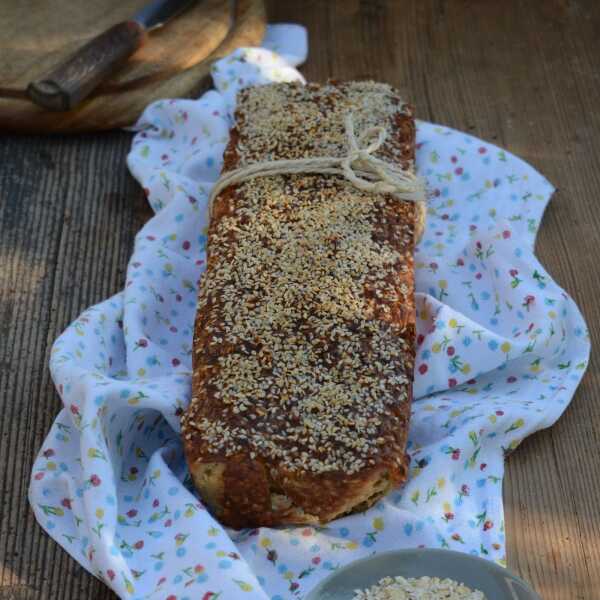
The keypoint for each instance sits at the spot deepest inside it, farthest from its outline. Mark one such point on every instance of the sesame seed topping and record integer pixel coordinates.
(305, 328)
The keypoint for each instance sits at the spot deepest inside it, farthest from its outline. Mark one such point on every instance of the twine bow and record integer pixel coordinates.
(360, 167)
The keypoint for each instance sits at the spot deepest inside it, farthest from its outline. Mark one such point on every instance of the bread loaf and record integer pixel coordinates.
(303, 349)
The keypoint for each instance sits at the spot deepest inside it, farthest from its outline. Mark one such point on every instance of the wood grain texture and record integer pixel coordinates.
(519, 73)
(174, 62)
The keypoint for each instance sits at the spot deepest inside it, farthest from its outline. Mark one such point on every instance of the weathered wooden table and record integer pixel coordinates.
(524, 74)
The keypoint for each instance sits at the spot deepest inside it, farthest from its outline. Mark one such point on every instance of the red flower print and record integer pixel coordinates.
(450, 351)
(198, 569)
(496, 546)
(173, 329)
(506, 234)
(456, 537)
(66, 502)
(164, 157)
(139, 545)
(482, 466)
(472, 381)
(433, 266)
(39, 476)
(472, 227)
(111, 574)
(452, 382)
(175, 362)
(513, 272)
(186, 245)
(458, 170)
(460, 262)
(420, 339)
(48, 453)
(74, 409)
(168, 523)
(449, 516)
(454, 159)
(306, 532)
(173, 597)
(464, 489)
(316, 560)
(511, 379)
(150, 237)
(455, 454)
(132, 513)
(294, 586)
(162, 580)
(500, 413)
(482, 150)
(478, 245)
(142, 343)
(528, 301)
(423, 368)
(155, 503)
(95, 480)
(487, 525)
(478, 276)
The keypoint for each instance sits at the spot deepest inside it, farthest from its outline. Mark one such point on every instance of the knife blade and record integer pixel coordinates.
(74, 79)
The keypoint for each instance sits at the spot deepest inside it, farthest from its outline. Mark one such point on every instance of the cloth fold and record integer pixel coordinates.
(501, 349)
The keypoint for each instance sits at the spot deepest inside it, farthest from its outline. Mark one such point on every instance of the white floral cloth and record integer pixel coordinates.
(501, 349)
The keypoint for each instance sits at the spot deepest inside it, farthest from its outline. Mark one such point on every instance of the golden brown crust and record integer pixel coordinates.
(304, 337)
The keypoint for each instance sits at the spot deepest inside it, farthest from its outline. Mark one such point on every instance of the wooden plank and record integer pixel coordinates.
(522, 74)
(68, 214)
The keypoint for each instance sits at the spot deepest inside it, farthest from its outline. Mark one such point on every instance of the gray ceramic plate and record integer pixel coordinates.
(477, 573)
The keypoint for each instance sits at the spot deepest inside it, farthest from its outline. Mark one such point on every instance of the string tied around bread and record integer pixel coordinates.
(359, 166)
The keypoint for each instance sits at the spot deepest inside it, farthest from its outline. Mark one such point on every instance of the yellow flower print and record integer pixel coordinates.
(129, 586)
(505, 347)
(352, 545)
(441, 483)
(245, 587)
(265, 542)
(516, 425)
(99, 513)
(378, 524)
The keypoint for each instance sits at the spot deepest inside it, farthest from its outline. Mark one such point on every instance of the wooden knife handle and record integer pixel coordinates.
(73, 80)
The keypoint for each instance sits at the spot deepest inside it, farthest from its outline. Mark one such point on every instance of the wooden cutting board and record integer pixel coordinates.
(174, 62)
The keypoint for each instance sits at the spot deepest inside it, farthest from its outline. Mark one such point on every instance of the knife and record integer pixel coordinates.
(73, 80)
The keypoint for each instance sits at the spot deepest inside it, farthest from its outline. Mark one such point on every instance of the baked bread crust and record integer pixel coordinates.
(303, 350)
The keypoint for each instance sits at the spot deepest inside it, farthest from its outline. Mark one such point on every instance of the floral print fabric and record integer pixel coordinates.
(501, 349)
